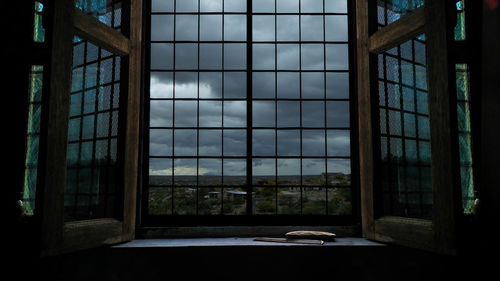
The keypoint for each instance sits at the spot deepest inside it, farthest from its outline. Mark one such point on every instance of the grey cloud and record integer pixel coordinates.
(263, 84)
(263, 113)
(263, 28)
(263, 143)
(313, 114)
(235, 114)
(288, 167)
(288, 57)
(287, 28)
(235, 5)
(338, 143)
(311, 6)
(287, 6)
(312, 56)
(312, 28)
(235, 84)
(186, 27)
(210, 5)
(263, 167)
(313, 143)
(185, 113)
(288, 142)
(235, 27)
(186, 6)
(210, 27)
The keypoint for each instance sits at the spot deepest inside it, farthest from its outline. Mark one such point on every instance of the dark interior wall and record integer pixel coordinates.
(393, 263)
(490, 119)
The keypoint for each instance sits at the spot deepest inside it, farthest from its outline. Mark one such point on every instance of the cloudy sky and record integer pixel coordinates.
(221, 114)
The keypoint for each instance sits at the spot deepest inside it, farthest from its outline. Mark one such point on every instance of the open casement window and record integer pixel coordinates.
(407, 175)
(93, 125)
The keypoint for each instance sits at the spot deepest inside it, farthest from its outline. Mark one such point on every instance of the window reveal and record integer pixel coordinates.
(286, 112)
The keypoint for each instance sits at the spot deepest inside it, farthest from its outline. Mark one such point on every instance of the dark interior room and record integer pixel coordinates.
(253, 139)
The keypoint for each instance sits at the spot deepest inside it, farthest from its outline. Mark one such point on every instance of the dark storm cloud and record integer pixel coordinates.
(263, 84)
(313, 85)
(288, 142)
(160, 142)
(313, 166)
(313, 143)
(313, 114)
(338, 143)
(235, 85)
(288, 167)
(235, 27)
(210, 85)
(215, 142)
(263, 143)
(234, 143)
(288, 114)
(186, 27)
(161, 114)
(162, 27)
(210, 27)
(337, 114)
(263, 167)
(263, 114)
(288, 57)
(288, 85)
(235, 114)
(210, 143)
(210, 113)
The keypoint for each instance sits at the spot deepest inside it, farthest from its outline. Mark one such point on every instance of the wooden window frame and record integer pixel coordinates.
(438, 234)
(58, 236)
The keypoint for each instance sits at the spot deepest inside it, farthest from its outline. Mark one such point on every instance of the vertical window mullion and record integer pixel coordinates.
(249, 68)
(172, 182)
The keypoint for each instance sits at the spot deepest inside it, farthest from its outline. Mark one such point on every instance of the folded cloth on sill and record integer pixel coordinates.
(306, 234)
(290, 240)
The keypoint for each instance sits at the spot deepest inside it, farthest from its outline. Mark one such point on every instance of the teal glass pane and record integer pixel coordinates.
(459, 32)
(108, 12)
(92, 133)
(390, 11)
(404, 131)
(38, 30)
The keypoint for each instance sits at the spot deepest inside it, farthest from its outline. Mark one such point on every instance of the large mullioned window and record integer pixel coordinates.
(249, 108)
